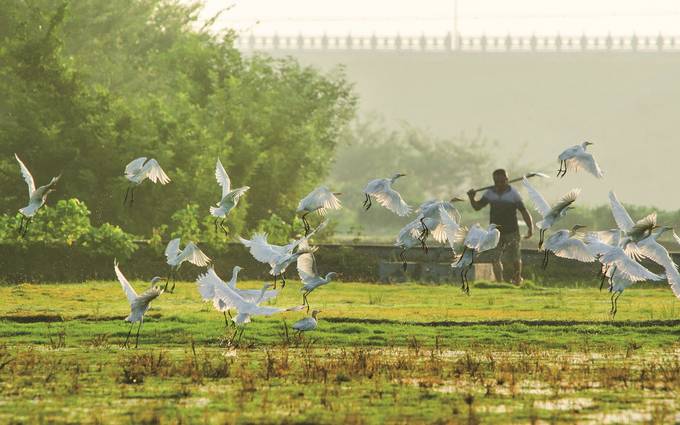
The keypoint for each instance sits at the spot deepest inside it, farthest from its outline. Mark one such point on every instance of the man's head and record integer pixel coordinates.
(500, 179)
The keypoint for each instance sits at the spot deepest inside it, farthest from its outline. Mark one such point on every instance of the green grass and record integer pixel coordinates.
(382, 353)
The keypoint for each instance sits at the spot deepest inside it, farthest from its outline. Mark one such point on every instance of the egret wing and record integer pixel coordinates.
(539, 202)
(306, 267)
(621, 216)
(574, 249)
(567, 199)
(653, 250)
(207, 283)
(586, 161)
(194, 255)
(222, 178)
(172, 249)
(154, 172)
(627, 267)
(489, 240)
(127, 288)
(392, 200)
(28, 178)
(450, 226)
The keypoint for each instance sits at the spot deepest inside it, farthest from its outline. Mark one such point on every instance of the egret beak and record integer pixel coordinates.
(537, 174)
(455, 199)
(337, 193)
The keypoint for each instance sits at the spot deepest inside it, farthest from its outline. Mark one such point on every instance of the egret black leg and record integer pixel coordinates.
(224, 229)
(21, 224)
(401, 256)
(365, 200)
(306, 223)
(283, 280)
(125, 344)
(275, 281)
(138, 329)
(540, 241)
(467, 282)
(226, 322)
(127, 191)
(368, 202)
(215, 223)
(240, 334)
(616, 304)
(132, 195)
(305, 301)
(28, 221)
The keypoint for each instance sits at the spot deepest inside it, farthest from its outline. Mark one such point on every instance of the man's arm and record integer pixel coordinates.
(528, 220)
(476, 205)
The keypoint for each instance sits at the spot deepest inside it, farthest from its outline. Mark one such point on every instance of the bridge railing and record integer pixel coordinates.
(449, 43)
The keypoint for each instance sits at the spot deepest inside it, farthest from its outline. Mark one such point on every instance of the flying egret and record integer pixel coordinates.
(229, 198)
(308, 323)
(306, 267)
(474, 240)
(430, 210)
(211, 288)
(633, 231)
(140, 169)
(36, 197)
(614, 259)
(575, 158)
(175, 257)
(139, 304)
(247, 309)
(408, 237)
(381, 189)
(279, 257)
(320, 200)
(567, 244)
(550, 214)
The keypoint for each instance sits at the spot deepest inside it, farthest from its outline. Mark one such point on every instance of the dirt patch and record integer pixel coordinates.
(556, 323)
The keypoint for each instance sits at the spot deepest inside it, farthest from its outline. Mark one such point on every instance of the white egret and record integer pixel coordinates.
(279, 257)
(139, 304)
(567, 244)
(248, 309)
(408, 237)
(175, 257)
(575, 158)
(632, 231)
(429, 217)
(229, 198)
(36, 197)
(474, 240)
(211, 288)
(320, 200)
(614, 259)
(306, 267)
(308, 323)
(550, 214)
(139, 170)
(381, 189)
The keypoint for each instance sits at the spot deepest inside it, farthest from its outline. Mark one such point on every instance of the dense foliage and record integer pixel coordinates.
(89, 85)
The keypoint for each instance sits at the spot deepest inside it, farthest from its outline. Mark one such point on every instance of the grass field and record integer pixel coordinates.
(398, 353)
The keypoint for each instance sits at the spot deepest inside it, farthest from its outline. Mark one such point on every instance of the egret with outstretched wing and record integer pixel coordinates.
(140, 169)
(229, 198)
(576, 158)
(381, 190)
(550, 214)
(36, 197)
(176, 256)
(320, 200)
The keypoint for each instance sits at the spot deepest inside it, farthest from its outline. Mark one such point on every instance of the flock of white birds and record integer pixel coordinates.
(619, 251)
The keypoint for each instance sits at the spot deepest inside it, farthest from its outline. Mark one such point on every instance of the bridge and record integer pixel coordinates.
(459, 43)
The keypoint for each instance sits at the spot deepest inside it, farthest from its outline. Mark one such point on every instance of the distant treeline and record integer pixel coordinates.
(89, 85)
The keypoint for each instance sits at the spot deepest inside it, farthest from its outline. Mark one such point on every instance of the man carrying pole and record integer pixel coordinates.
(504, 201)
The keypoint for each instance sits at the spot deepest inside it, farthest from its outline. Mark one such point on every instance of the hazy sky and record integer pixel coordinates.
(492, 17)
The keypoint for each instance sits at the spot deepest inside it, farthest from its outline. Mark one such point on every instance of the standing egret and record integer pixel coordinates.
(211, 288)
(175, 257)
(279, 257)
(308, 323)
(567, 244)
(248, 309)
(381, 189)
(575, 158)
(320, 200)
(140, 169)
(550, 214)
(139, 304)
(229, 197)
(36, 197)
(474, 240)
(306, 267)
